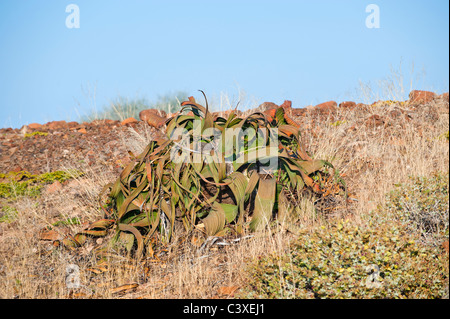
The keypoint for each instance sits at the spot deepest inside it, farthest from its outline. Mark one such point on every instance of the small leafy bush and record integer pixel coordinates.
(16, 184)
(422, 205)
(337, 261)
(37, 133)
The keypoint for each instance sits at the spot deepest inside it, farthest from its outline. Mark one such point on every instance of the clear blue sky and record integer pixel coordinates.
(305, 51)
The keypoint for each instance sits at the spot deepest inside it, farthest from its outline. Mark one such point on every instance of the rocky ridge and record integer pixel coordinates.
(39, 148)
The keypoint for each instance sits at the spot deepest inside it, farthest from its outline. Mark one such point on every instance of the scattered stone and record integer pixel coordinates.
(51, 235)
(146, 114)
(72, 124)
(374, 121)
(326, 107)
(54, 187)
(56, 125)
(429, 113)
(12, 150)
(287, 107)
(421, 97)
(298, 112)
(110, 121)
(130, 120)
(69, 145)
(267, 106)
(396, 113)
(445, 246)
(347, 105)
(362, 106)
(34, 126)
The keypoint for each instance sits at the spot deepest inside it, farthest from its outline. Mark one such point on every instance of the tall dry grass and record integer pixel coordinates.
(373, 159)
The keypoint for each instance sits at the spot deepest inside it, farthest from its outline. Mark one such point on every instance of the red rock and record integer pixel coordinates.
(347, 105)
(56, 125)
(267, 106)
(55, 187)
(72, 124)
(96, 123)
(156, 121)
(286, 104)
(153, 117)
(396, 113)
(34, 126)
(287, 107)
(445, 246)
(130, 120)
(46, 234)
(146, 114)
(374, 121)
(299, 112)
(421, 97)
(82, 130)
(326, 107)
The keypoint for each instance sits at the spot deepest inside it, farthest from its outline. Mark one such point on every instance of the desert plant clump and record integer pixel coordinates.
(122, 108)
(347, 261)
(200, 180)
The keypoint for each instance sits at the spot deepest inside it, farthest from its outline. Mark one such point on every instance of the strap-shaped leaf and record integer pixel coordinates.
(123, 208)
(230, 211)
(95, 233)
(264, 201)
(289, 131)
(215, 221)
(252, 183)
(137, 235)
(312, 166)
(279, 115)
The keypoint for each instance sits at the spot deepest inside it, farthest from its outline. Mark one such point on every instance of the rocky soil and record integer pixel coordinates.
(101, 144)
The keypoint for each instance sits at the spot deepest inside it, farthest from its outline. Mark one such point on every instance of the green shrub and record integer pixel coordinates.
(334, 262)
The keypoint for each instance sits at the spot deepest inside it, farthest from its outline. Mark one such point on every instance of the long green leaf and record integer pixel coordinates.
(264, 201)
